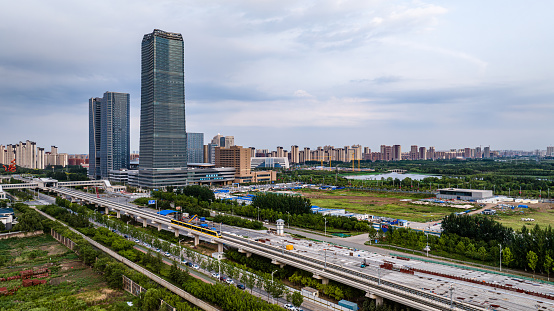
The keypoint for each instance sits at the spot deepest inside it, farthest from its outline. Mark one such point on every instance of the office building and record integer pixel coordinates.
(195, 147)
(487, 152)
(238, 158)
(163, 137)
(109, 134)
(550, 151)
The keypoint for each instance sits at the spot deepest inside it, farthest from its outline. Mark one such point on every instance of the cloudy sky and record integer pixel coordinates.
(449, 74)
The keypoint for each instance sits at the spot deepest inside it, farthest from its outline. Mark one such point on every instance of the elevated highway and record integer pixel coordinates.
(374, 286)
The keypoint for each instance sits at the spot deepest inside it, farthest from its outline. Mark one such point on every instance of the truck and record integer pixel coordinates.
(348, 305)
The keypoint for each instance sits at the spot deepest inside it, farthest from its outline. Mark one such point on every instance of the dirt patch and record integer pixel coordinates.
(54, 249)
(70, 265)
(354, 199)
(96, 295)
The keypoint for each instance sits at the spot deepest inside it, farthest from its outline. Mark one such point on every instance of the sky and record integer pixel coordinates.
(448, 74)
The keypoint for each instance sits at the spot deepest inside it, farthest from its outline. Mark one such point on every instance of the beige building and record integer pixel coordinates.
(238, 158)
(294, 154)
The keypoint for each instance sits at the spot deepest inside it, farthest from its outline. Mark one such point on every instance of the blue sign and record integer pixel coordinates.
(151, 201)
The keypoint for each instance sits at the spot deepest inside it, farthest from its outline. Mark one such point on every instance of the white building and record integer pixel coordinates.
(264, 162)
(464, 194)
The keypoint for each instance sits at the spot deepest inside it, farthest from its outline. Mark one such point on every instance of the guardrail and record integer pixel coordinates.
(387, 289)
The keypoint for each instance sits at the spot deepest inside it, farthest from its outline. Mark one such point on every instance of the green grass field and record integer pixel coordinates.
(513, 219)
(361, 193)
(71, 285)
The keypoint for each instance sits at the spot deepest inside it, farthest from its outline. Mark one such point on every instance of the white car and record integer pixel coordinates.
(195, 266)
(167, 254)
(290, 307)
(230, 281)
(137, 241)
(215, 275)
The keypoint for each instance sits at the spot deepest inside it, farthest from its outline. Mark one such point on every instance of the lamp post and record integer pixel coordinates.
(325, 257)
(258, 213)
(500, 245)
(272, 284)
(288, 219)
(324, 218)
(451, 291)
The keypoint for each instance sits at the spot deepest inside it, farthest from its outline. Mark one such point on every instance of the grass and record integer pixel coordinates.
(362, 193)
(71, 286)
(512, 218)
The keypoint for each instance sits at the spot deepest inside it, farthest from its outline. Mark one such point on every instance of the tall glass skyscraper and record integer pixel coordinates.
(109, 134)
(195, 147)
(163, 138)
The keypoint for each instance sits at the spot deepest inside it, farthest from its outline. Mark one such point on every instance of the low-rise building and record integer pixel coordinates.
(463, 194)
(7, 217)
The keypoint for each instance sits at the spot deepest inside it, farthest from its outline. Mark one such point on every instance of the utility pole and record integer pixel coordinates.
(451, 291)
(500, 245)
(325, 218)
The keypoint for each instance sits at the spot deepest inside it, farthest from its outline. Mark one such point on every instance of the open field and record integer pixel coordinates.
(378, 204)
(70, 286)
(542, 213)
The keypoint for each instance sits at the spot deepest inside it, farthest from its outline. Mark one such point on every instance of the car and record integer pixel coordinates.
(222, 278)
(195, 266)
(157, 250)
(125, 236)
(137, 241)
(230, 281)
(167, 254)
(290, 307)
(189, 264)
(241, 286)
(184, 262)
(215, 275)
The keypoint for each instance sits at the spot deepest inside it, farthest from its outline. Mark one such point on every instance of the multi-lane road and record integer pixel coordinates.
(419, 290)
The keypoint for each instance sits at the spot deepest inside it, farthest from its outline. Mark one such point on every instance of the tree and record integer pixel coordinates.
(532, 260)
(372, 234)
(482, 252)
(151, 299)
(548, 265)
(507, 256)
(296, 299)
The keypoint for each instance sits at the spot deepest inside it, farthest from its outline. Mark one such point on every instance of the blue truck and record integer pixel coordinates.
(348, 305)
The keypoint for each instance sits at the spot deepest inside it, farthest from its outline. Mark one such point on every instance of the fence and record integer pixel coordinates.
(65, 241)
(135, 289)
(19, 234)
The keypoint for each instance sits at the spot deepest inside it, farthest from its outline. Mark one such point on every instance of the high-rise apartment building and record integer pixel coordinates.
(487, 152)
(396, 152)
(422, 153)
(413, 152)
(109, 134)
(163, 137)
(294, 154)
(195, 147)
(550, 151)
(234, 156)
(431, 153)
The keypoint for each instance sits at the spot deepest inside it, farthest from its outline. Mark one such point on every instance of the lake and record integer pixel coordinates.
(392, 175)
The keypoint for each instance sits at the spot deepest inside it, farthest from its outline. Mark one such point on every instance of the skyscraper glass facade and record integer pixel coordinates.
(195, 147)
(163, 140)
(109, 134)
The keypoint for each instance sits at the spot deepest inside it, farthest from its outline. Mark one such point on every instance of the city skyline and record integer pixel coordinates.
(281, 74)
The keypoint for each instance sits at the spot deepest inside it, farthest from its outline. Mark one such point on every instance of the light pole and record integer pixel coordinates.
(325, 257)
(451, 291)
(324, 218)
(288, 219)
(500, 245)
(258, 214)
(272, 283)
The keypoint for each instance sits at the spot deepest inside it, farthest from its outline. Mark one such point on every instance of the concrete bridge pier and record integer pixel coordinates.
(378, 299)
(323, 279)
(176, 230)
(118, 214)
(196, 239)
(219, 247)
(280, 264)
(106, 210)
(248, 254)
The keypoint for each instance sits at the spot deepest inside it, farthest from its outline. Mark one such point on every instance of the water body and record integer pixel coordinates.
(392, 175)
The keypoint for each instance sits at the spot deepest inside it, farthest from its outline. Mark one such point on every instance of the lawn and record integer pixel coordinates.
(543, 217)
(71, 285)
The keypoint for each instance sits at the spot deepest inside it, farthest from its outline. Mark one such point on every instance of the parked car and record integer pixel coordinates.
(290, 307)
(195, 266)
(241, 286)
(137, 241)
(167, 254)
(230, 281)
(215, 275)
(222, 278)
(157, 250)
(189, 264)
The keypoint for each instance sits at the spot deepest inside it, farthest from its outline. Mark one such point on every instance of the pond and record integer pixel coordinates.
(392, 175)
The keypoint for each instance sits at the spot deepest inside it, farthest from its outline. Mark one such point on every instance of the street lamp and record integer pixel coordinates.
(258, 213)
(272, 282)
(324, 218)
(500, 245)
(288, 219)
(451, 291)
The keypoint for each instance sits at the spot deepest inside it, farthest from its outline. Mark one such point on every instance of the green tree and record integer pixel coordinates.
(460, 248)
(507, 256)
(482, 253)
(296, 299)
(532, 260)
(151, 300)
(372, 234)
(548, 265)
